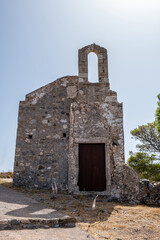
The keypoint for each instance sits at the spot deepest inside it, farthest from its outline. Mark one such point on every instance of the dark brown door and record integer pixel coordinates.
(92, 167)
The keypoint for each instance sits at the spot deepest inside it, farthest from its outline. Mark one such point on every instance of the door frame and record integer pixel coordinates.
(73, 164)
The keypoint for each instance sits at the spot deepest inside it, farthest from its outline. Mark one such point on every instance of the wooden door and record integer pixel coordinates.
(92, 167)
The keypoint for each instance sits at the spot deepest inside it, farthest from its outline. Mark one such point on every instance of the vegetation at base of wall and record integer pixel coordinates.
(6, 174)
(144, 165)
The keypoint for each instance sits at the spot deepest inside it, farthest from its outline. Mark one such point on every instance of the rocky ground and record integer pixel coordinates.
(109, 220)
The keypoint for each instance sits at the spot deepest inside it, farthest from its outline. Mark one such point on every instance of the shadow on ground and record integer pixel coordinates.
(15, 204)
(109, 220)
(23, 203)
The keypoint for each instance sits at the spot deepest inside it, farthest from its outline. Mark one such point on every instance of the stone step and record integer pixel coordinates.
(9, 224)
(20, 212)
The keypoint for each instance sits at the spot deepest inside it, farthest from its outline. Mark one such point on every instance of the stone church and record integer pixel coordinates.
(72, 130)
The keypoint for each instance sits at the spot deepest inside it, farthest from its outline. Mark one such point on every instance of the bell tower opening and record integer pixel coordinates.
(93, 68)
(90, 55)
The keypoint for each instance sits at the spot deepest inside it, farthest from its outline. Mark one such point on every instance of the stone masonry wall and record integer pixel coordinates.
(43, 133)
(97, 117)
(149, 193)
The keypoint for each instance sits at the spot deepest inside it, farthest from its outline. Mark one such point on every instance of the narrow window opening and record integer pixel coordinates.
(115, 143)
(30, 136)
(64, 135)
(92, 67)
(40, 167)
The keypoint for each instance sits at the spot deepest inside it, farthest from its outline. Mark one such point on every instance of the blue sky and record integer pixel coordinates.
(39, 43)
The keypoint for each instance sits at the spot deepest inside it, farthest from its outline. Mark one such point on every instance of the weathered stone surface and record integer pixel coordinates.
(56, 118)
(149, 192)
(42, 136)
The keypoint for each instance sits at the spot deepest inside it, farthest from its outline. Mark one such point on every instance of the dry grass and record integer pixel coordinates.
(109, 220)
(6, 174)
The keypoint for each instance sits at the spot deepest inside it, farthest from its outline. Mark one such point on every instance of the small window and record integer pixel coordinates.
(30, 136)
(115, 143)
(64, 135)
(40, 167)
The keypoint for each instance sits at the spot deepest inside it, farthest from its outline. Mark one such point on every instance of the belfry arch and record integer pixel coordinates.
(93, 68)
(102, 63)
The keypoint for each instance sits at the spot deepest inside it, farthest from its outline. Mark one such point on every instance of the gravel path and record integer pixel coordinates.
(45, 234)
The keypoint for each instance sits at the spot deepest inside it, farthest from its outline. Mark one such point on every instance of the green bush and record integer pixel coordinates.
(144, 165)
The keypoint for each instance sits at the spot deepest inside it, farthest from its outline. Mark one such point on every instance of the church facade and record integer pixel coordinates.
(71, 130)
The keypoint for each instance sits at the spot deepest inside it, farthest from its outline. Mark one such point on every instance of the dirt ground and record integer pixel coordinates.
(109, 220)
(45, 234)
